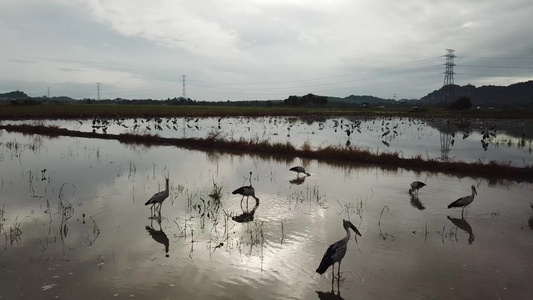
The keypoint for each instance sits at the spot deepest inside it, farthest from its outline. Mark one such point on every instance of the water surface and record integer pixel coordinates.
(74, 225)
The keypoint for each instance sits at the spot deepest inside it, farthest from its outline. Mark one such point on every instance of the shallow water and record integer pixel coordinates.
(74, 225)
(476, 140)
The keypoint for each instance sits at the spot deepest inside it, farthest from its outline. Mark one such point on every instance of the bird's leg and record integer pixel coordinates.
(462, 211)
(339, 270)
(338, 289)
(333, 270)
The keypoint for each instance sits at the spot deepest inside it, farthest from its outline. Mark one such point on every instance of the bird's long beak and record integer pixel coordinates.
(355, 229)
(475, 191)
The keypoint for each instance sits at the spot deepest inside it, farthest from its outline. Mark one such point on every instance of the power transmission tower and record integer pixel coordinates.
(98, 91)
(448, 91)
(183, 94)
(48, 92)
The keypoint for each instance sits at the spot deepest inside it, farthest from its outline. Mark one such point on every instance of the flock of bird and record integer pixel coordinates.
(336, 251)
(386, 130)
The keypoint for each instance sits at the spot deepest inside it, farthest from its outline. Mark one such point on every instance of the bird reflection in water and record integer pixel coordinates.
(463, 224)
(247, 215)
(297, 180)
(331, 295)
(159, 236)
(415, 202)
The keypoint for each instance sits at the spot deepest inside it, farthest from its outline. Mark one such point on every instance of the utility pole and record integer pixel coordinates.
(98, 91)
(183, 94)
(448, 90)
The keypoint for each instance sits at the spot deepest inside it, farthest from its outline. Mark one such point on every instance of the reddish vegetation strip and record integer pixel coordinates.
(335, 155)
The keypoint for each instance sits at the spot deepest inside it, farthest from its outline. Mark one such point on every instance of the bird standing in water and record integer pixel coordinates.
(337, 250)
(298, 170)
(464, 201)
(159, 197)
(246, 191)
(415, 186)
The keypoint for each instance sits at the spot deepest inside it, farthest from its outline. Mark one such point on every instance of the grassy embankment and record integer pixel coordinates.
(334, 155)
(87, 111)
(330, 154)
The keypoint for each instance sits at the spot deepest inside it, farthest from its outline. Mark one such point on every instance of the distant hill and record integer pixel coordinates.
(518, 95)
(360, 100)
(15, 95)
(353, 100)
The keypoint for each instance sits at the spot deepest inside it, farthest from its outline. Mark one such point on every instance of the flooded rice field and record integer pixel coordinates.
(74, 225)
(476, 140)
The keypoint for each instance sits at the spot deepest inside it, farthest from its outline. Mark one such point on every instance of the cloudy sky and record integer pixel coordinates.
(259, 49)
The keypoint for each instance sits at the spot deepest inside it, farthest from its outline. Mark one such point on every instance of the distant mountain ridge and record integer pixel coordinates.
(518, 95)
(360, 100)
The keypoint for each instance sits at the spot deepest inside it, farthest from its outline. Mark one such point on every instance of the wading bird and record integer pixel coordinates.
(337, 250)
(246, 191)
(464, 201)
(415, 186)
(298, 170)
(159, 197)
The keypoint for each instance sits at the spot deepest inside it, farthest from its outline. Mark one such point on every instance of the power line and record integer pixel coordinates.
(487, 57)
(495, 75)
(497, 67)
(376, 70)
(368, 76)
(289, 90)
